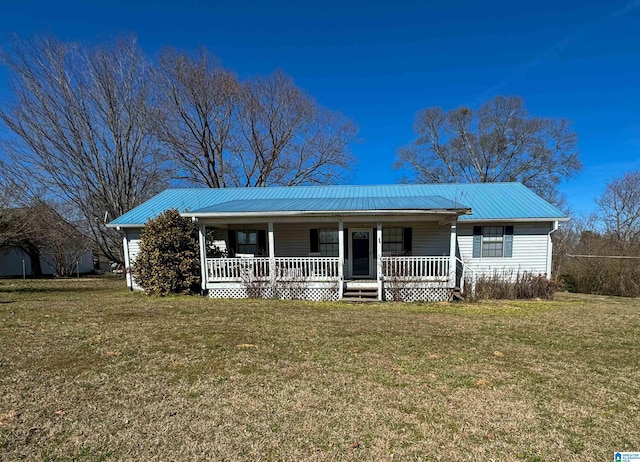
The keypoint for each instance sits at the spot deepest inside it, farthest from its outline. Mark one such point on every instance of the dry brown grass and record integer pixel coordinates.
(89, 371)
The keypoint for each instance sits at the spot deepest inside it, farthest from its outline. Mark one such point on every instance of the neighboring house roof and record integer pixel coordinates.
(487, 201)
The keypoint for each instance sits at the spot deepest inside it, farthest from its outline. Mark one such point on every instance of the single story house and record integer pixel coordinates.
(393, 242)
(14, 262)
(38, 241)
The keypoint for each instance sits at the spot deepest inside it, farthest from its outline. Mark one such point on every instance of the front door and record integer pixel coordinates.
(360, 253)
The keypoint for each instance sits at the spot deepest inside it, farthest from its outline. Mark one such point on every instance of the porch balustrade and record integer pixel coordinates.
(307, 268)
(238, 269)
(286, 268)
(417, 268)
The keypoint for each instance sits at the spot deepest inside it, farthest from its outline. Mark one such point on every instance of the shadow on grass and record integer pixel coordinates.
(60, 285)
(38, 290)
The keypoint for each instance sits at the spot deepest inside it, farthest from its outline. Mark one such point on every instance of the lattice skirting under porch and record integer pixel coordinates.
(418, 294)
(284, 293)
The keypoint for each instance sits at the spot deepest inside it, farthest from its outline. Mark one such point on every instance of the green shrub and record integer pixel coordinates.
(168, 261)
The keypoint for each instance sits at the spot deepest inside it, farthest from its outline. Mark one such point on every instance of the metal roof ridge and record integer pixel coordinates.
(318, 186)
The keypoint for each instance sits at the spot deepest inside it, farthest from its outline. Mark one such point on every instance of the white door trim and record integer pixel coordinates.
(351, 259)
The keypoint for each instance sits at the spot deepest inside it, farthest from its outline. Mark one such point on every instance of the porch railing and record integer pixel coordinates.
(307, 268)
(416, 268)
(286, 268)
(238, 269)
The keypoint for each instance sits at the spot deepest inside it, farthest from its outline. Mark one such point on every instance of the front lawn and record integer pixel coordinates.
(90, 371)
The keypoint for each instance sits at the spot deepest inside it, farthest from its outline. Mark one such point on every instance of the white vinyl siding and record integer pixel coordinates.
(529, 254)
(133, 248)
(292, 239)
(134, 244)
(429, 238)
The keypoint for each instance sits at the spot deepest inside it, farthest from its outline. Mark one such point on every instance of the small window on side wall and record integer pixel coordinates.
(492, 241)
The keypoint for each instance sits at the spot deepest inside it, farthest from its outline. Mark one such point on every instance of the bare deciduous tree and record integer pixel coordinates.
(41, 232)
(199, 100)
(82, 127)
(498, 142)
(265, 131)
(6, 202)
(602, 255)
(620, 208)
(287, 138)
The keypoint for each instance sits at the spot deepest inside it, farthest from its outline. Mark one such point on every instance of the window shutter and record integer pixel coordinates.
(508, 241)
(477, 241)
(313, 240)
(232, 246)
(262, 242)
(407, 240)
(346, 243)
(374, 238)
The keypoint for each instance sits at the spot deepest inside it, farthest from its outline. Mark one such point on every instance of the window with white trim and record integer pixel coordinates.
(493, 241)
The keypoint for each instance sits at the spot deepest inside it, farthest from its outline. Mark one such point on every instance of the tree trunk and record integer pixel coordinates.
(34, 257)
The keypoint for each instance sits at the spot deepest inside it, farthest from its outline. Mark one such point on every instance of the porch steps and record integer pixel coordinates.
(361, 294)
(457, 294)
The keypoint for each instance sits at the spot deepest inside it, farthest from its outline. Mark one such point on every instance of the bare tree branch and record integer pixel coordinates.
(499, 142)
(620, 208)
(199, 100)
(83, 128)
(286, 138)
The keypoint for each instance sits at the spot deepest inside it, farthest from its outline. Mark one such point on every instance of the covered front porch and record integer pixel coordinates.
(402, 258)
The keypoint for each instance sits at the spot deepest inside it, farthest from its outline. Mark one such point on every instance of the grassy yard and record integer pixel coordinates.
(90, 371)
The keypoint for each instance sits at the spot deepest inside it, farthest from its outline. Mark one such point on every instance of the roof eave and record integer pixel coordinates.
(515, 220)
(119, 226)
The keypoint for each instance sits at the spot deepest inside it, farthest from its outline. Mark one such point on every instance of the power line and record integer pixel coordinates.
(603, 256)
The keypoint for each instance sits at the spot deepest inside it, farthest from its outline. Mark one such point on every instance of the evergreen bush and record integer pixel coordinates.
(168, 261)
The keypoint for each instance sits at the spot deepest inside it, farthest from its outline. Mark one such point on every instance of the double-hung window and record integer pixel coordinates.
(328, 242)
(392, 243)
(247, 241)
(492, 241)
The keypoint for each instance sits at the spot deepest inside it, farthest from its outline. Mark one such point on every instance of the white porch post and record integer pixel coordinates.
(272, 254)
(340, 258)
(202, 233)
(127, 262)
(379, 260)
(452, 256)
(550, 249)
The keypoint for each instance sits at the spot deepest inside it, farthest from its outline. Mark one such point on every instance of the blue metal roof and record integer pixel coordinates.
(488, 201)
(332, 204)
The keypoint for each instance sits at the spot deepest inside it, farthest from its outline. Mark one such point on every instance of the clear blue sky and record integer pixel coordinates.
(380, 62)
